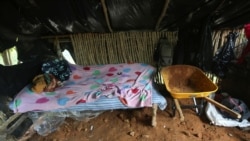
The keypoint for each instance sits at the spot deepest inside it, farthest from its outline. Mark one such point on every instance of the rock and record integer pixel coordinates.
(126, 120)
(204, 126)
(186, 133)
(170, 129)
(121, 116)
(229, 134)
(79, 128)
(105, 120)
(133, 119)
(67, 134)
(145, 136)
(131, 133)
(199, 135)
(182, 123)
(91, 127)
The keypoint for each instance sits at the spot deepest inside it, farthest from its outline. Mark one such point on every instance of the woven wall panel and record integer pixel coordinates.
(119, 47)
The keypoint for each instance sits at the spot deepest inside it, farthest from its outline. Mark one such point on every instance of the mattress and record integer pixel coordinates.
(97, 87)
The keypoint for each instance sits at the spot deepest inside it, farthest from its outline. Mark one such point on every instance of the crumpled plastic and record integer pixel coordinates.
(45, 123)
(224, 56)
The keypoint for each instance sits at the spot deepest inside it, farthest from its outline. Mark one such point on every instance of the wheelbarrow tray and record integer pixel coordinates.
(186, 81)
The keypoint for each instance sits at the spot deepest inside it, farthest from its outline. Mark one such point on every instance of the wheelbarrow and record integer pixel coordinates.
(186, 81)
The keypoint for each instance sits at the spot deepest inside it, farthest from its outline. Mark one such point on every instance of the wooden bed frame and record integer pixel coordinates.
(122, 43)
(13, 122)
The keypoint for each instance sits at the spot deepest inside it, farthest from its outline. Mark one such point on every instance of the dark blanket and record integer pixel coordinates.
(15, 78)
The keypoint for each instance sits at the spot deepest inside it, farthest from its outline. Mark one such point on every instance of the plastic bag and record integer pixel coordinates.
(163, 54)
(224, 55)
(48, 122)
(236, 105)
(45, 123)
(216, 118)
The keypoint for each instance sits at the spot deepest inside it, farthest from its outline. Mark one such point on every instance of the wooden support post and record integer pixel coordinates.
(154, 114)
(179, 109)
(58, 48)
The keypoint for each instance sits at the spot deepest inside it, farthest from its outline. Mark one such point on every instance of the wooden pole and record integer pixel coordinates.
(106, 15)
(154, 122)
(163, 13)
(177, 104)
(217, 104)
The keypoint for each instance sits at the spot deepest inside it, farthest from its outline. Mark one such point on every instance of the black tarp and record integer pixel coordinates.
(31, 19)
(46, 17)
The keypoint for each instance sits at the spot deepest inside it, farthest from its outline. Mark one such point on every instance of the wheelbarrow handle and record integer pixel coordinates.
(219, 105)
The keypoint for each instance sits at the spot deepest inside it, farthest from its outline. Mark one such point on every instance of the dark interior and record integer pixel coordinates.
(34, 21)
(31, 20)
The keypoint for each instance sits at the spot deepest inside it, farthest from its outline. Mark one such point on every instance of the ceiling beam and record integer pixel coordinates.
(106, 15)
(163, 13)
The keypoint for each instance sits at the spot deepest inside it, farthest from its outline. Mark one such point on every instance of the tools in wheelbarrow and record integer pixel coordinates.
(186, 81)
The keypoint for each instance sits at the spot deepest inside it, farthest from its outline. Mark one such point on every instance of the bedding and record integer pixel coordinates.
(96, 87)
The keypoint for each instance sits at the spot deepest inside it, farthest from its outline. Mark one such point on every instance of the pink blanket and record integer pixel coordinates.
(131, 83)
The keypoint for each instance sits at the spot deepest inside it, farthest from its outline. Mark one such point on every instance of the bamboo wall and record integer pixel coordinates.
(122, 47)
(97, 48)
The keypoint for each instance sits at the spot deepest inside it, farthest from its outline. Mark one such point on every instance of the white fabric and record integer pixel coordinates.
(67, 56)
(217, 119)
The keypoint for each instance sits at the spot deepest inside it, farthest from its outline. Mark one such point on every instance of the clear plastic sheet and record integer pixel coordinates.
(224, 55)
(48, 122)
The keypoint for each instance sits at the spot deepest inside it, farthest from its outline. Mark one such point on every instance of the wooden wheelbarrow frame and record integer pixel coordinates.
(186, 81)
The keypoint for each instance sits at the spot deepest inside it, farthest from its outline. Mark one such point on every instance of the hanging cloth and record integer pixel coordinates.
(246, 50)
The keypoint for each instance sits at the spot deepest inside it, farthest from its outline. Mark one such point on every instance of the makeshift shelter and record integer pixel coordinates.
(121, 31)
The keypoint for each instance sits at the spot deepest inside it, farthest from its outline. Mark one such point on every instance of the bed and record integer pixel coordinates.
(96, 88)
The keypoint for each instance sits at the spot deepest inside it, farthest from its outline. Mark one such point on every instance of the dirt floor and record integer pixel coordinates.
(135, 125)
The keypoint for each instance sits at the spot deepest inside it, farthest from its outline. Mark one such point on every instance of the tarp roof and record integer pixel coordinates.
(56, 17)
(27, 19)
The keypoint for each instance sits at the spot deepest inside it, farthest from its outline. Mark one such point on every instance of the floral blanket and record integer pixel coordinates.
(131, 83)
